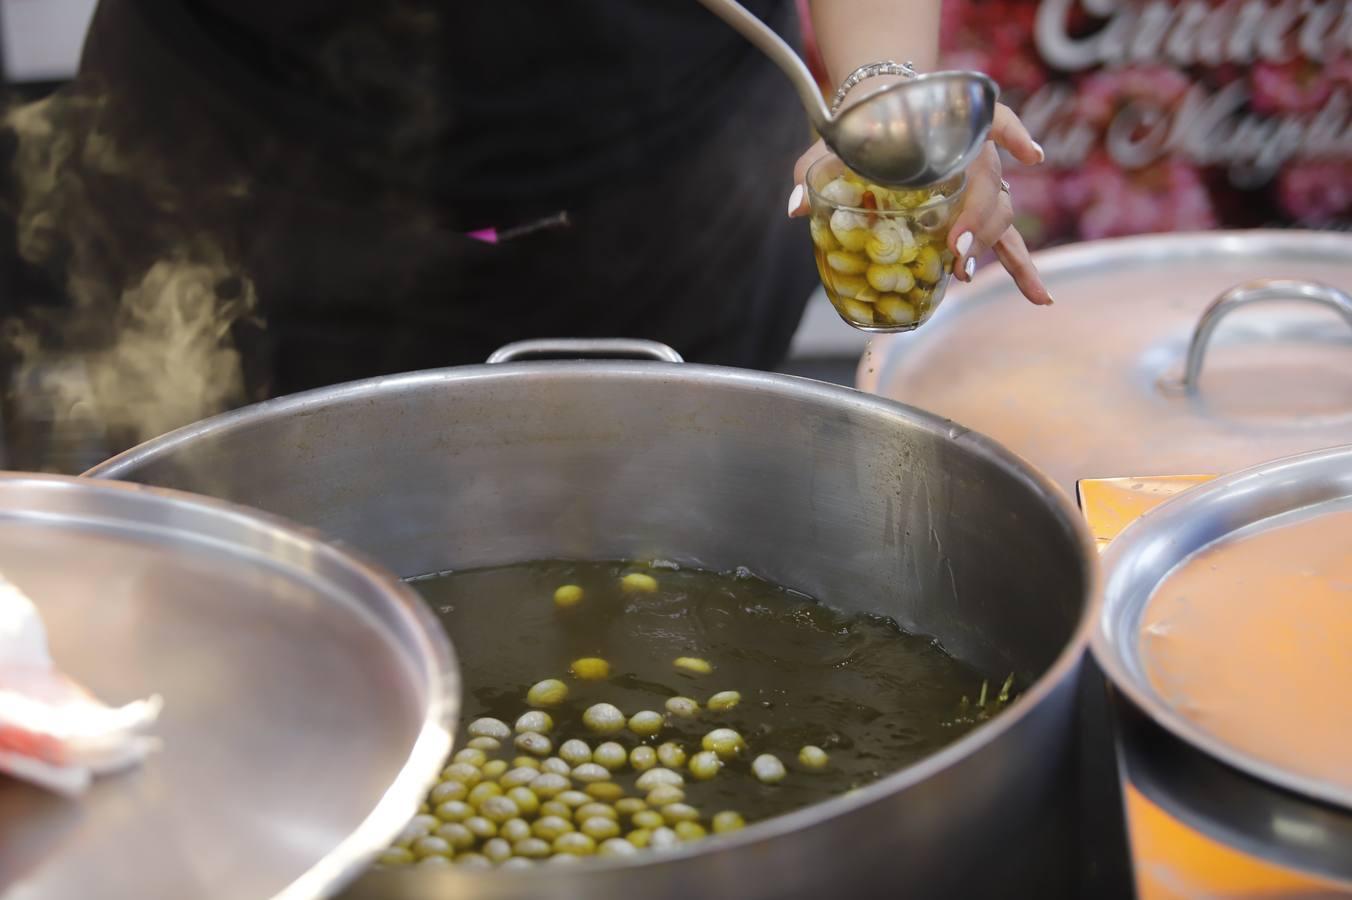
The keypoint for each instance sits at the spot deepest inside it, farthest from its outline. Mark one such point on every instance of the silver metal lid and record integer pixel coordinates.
(1226, 620)
(309, 697)
(1092, 387)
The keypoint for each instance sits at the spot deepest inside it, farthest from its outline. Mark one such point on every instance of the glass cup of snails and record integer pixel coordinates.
(882, 253)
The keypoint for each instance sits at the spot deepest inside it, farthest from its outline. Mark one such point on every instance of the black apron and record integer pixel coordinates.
(340, 153)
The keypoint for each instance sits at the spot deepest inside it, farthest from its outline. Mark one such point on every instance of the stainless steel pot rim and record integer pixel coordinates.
(992, 285)
(985, 734)
(1096, 390)
(353, 855)
(1113, 636)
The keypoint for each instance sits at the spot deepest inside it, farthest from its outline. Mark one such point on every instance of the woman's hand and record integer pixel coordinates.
(986, 219)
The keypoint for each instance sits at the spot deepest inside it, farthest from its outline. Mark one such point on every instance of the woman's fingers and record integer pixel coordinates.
(798, 196)
(811, 155)
(1013, 253)
(1009, 133)
(985, 214)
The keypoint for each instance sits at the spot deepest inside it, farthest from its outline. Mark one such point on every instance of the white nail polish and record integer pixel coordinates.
(1041, 154)
(964, 243)
(795, 199)
(970, 267)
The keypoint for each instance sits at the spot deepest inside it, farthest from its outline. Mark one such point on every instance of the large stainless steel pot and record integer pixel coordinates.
(850, 498)
(1267, 552)
(1173, 354)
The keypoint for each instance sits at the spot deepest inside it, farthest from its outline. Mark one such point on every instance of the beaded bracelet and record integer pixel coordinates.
(870, 70)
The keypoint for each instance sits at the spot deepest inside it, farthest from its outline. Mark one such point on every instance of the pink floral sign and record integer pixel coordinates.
(1170, 115)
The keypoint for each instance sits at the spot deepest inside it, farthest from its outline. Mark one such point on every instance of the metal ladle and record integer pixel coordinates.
(910, 134)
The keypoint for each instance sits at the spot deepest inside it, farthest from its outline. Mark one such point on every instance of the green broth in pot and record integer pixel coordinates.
(784, 672)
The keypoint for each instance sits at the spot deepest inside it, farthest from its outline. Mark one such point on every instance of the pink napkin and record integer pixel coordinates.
(53, 732)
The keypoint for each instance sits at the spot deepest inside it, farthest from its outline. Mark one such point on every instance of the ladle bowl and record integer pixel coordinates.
(917, 132)
(909, 134)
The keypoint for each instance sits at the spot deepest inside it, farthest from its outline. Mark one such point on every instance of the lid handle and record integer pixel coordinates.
(1254, 292)
(585, 348)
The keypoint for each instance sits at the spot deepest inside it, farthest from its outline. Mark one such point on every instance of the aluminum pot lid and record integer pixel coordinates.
(1227, 617)
(309, 697)
(1095, 385)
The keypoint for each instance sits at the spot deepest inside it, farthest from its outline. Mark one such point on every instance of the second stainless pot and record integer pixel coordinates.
(1224, 628)
(1169, 354)
(855, 500)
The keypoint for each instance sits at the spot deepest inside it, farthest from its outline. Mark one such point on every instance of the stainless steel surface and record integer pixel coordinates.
(916, 132)
(1255, 292)
(585, 348)
(1224, 804)
(309, 697)
(856, 500)
(1081, 389)
(912, 133)
(1221, 786)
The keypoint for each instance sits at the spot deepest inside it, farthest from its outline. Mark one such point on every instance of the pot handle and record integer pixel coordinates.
(1254, 292)
(585, 348)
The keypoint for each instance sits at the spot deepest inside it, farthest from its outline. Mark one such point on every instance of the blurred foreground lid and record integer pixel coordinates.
(309, 697)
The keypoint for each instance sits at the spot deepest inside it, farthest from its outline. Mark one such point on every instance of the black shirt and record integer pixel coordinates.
(335, 154)
(476, 101)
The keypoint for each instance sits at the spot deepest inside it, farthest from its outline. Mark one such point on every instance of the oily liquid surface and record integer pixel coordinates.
(1252, 640)
(874, 697)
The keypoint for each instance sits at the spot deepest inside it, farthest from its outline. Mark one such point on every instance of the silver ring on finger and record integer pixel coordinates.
(1004, 186)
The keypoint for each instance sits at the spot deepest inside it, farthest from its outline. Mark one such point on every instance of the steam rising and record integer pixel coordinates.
(155, 202)
(144, 343)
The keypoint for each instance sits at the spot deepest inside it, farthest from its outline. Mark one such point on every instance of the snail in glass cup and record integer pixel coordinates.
(881, 253)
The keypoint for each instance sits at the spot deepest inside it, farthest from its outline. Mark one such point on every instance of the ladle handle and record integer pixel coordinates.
(1254, 292)
(780, 53)
(585, 348)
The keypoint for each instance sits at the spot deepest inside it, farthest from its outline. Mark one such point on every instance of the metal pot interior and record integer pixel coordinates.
(859, 502)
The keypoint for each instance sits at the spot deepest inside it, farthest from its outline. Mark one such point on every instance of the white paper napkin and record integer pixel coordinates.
(53, 732)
